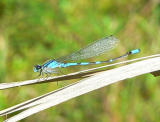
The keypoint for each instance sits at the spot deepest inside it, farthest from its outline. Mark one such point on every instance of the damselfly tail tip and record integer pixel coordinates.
(135, 51)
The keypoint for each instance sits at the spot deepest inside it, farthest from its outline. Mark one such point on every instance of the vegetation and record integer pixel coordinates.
(32, 31)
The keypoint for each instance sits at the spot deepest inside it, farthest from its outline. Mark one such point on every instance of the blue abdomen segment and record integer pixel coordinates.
(68, 64)
(84, 63)
(98, 62)
(74, 64)
(135, 51)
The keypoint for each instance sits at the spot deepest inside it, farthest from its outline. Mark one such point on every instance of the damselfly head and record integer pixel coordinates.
(37, 68)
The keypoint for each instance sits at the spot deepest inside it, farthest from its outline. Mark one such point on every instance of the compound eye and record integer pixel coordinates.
(37, 68)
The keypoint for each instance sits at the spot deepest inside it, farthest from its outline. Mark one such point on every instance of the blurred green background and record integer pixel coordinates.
(32, 31)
